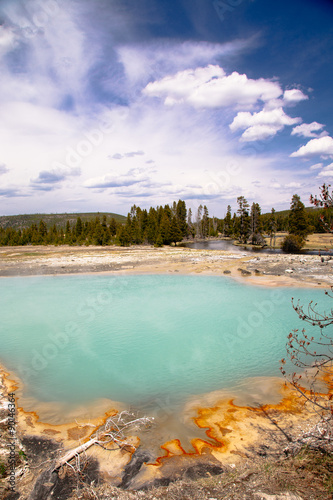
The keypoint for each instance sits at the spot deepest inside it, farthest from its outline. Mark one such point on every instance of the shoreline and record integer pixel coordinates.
(227, 431)
(264, 270)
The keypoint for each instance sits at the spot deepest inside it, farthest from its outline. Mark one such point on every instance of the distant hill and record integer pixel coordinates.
(285, 213)
(60, 220)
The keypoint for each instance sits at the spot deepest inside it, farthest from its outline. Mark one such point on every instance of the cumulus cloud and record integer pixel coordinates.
(70, 69)
(259, 126)
(307, 129)
(322, 146)
(211, 87)
(293, 96)
(327, 172)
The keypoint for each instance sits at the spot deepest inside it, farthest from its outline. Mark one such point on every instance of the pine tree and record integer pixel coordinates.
(244, 219)
(298, 220)
(228, 226)
(175, 232)
(190, 225)
(165, 228)
(256, 225)
(272, 227)
(181, 214)
(299, 227)
(78, 228)
(68, 234)
(113, 227)
(199, 224)
(205, 222)
(42, 231)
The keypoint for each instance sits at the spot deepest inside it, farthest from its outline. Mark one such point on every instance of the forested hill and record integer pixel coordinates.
(59, 220)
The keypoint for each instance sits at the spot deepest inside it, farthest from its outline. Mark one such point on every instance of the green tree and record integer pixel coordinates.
(78, 228)
(199, 222)
(272, 228)
(298, 220)
(205, 223)
(256, 225)
(152, 226)
(42, 230)
(228, 226)
(165, 229)
(175, 232)
(113, 227)
(124, 237)
(68, 234)
(244, 219)
(299, 227)
(190, 225)
(181, 215)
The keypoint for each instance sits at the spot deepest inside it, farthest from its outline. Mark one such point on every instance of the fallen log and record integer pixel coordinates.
(75, 452)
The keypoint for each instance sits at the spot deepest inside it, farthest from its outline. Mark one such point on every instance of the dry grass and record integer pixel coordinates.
(316, 241)
(319, 241)
(308, 475)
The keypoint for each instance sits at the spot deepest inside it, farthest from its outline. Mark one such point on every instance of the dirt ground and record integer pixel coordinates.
(267, 269)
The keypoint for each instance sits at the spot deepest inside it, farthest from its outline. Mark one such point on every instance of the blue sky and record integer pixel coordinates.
(109, 103)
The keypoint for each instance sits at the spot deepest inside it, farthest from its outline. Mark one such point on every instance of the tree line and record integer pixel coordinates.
(249, 226)
(170, 224)
(157, 226)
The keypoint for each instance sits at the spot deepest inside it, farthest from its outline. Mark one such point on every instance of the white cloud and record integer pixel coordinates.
(35, 120)
(53, 68)
(210, 87)
(294, 96)
(316, 147)
(68, 73)
(327, 172)
(307, 129)
(259, 126)
(293, 185)
(142, 62)
(317, 166)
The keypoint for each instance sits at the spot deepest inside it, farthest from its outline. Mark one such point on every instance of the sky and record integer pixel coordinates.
(109, 103)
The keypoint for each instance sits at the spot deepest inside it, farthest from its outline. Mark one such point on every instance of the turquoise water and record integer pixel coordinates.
(137, 339)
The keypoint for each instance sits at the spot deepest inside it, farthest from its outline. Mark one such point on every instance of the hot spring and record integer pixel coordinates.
(140, 340)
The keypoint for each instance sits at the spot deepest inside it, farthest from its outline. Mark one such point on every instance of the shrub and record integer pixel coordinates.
(292, 243)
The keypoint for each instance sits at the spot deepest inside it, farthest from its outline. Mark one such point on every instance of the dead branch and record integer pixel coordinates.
(111, 432)
(75, 452)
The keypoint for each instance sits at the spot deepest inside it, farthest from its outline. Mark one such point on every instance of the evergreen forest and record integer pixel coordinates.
(171, 224)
